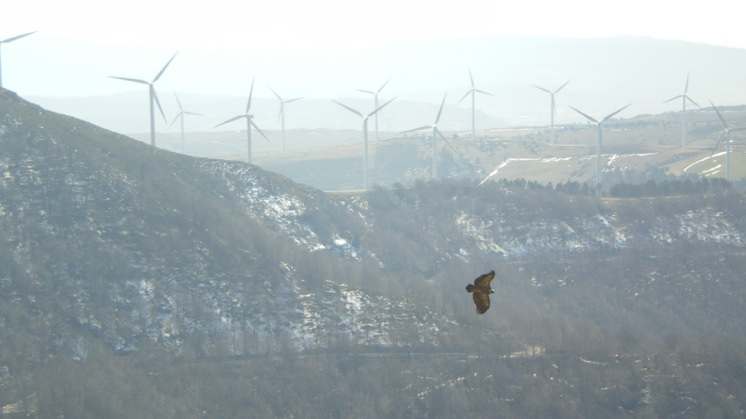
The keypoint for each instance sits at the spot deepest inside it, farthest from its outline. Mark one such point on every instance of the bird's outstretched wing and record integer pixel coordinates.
(484, 281)
(482, 301)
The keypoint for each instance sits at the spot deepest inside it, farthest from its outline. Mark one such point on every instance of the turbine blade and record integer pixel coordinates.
(607, 117)
(293, 100)
(590, 118)
(158, 102)
(349, 109)
(717, 144)
(483, 92)
(448, 143)
(275, 93)
(464, 97)
(692, 100)
(366, 91)
(259, 130)
(129, 79)
(180, 114)
(178, 102)
(443, 102)
(5, 41)
(251, 93)
(380, 107)
(471, 78)
(686, 86)
(230, 120)
(384, 85)
(725, 124)
(163, 69)
(417, 129)
(674, 98)
(541, 88)
(561, 87)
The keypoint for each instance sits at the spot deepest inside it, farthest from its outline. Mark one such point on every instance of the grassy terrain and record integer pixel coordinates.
(647, 145)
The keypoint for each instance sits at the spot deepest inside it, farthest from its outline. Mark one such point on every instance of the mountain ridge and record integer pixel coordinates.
(653, 71)
(146, 264)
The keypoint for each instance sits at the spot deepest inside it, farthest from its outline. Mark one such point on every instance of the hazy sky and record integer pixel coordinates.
(330, 48)
(324, 22)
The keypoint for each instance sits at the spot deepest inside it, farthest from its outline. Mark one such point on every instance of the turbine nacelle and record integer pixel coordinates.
(684, 98)
(182, 112)
(360, 114)
(553, 107)
(249, 122)
(435, 133)
(153, 96)
(604, 119)
(377, 91)
(473, 92)
(599, 124)
(365, 134)
(434, 126)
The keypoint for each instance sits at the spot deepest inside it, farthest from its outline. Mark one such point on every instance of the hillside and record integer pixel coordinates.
(103, 220)
(203, 287)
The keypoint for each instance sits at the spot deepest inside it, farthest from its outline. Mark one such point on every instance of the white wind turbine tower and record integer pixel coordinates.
(153, 97)
(365, 135)
(375, 102)
(281, 116)
(727, 129)
(5, 41)
(552, 109)
(436, 133)
(249, 122)
(684, 98)
(180, 116)
(473, 92)
(598, 140)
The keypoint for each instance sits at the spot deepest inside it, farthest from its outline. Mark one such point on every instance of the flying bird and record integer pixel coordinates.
(481, 291)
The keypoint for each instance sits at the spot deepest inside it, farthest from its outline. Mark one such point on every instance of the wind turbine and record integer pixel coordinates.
(727, 129)
(553, 109)
(684, 98)
(598, 140)
(282, 113)
(473, 92)
(436, 133)
(375, 101)
(249, 121)
(153, 97)
(365, 135)
(5, 41)
(180, 116)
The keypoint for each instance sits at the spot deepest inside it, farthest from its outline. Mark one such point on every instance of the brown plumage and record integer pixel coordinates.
(481, 291)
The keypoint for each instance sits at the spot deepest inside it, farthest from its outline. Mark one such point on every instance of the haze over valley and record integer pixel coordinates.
(604, 74)
(296, 270)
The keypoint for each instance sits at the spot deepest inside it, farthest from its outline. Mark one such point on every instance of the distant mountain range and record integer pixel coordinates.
(604, 75)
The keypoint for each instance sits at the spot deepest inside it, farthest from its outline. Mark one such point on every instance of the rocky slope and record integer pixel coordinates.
(105, 238)
(109, 245)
